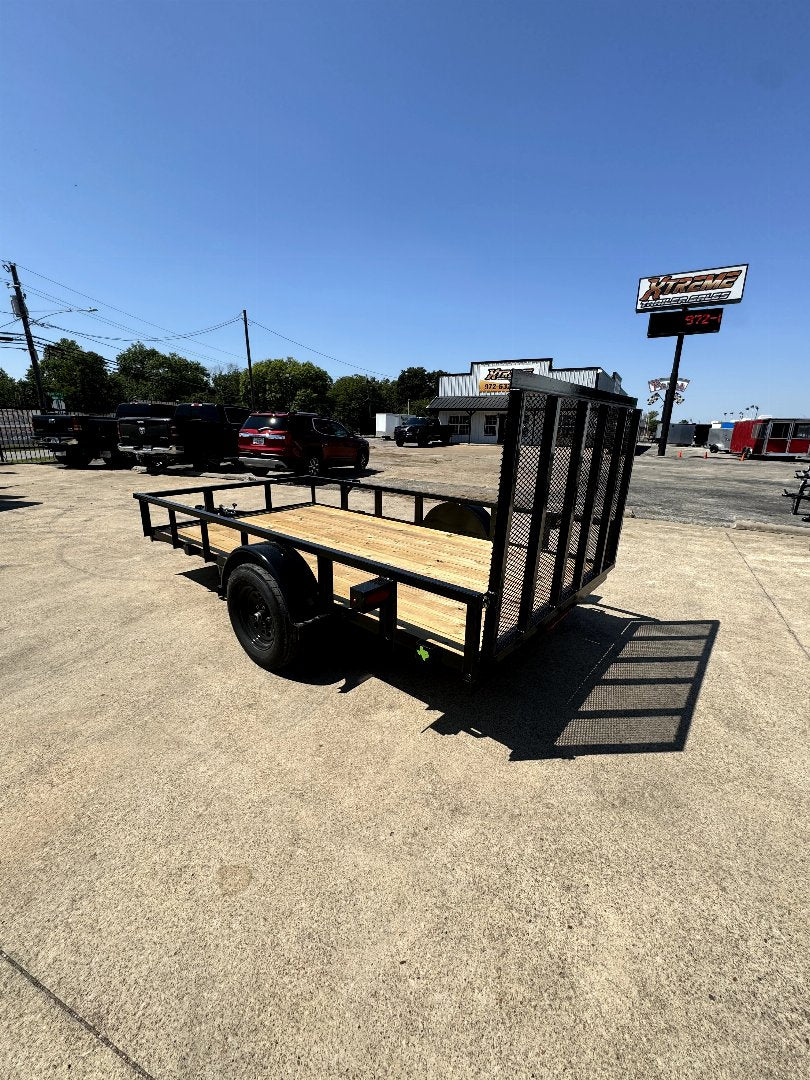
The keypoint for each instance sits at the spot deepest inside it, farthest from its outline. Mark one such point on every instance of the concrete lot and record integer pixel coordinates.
(594, 865)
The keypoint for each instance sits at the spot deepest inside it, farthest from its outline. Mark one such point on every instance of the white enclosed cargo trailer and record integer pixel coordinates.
(386, 422)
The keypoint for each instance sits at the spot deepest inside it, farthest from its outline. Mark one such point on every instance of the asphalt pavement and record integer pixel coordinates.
(713, 489)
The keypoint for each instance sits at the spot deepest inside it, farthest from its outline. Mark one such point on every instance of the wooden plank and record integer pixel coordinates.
(458, 560)
(435, 619)
(425, 615)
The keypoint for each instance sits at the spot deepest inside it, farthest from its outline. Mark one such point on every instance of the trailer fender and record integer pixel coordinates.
(465, 519)
(295, 579)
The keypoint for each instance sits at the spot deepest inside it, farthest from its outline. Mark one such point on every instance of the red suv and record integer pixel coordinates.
(302, 441)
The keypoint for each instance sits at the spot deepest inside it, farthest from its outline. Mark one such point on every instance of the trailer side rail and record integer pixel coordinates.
(181, 514)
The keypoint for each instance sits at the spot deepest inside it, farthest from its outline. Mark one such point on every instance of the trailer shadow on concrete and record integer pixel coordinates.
(605, 681)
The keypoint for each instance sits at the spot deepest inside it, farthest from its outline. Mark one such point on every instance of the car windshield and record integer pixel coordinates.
(194, 411)
(266, 423)
(143, 408)
(417, 420)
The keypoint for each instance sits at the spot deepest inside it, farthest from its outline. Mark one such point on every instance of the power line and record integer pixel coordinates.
(176, 336)
(129, 314)
(112, 307)
(139, 337)
(301, 345)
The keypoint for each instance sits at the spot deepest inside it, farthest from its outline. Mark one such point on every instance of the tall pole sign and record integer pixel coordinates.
(680, 305)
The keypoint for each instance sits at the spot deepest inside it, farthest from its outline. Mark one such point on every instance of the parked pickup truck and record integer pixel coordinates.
(422, 430)
(76, 440)
(195, 433)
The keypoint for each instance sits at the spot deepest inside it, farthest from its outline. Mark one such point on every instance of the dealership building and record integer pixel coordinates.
(474, 403)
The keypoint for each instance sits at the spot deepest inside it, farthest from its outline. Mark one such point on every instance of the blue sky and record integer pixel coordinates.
(418, 183)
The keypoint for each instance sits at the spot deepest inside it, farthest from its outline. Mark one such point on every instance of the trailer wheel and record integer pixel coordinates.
(260, 618)
(259, 471)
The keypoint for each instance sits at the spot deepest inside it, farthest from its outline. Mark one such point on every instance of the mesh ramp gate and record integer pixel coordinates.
(564, 479)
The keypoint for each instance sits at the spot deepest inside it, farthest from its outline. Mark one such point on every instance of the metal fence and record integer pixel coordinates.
(564, 480)
(17, 437)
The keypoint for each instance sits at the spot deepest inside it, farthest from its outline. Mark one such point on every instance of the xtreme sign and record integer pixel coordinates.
(723, 285)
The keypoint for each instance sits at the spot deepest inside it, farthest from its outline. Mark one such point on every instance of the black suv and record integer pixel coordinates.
(304, 442)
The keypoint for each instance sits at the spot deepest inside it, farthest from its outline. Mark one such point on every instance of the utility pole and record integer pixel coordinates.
(250, 366)
(21, 311)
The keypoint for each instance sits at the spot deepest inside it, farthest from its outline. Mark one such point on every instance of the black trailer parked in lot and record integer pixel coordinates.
(471, 596)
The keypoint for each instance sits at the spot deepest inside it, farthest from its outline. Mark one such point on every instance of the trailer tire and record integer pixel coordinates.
(259, 471)
(260, 617)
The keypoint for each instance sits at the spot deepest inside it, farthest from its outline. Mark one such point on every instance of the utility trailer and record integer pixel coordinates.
(467, 581)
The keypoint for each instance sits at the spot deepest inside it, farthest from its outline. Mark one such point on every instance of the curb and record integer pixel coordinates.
(764, 526)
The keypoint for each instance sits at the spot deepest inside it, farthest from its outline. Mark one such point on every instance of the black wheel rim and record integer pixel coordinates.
(313, 466)
(255, 617)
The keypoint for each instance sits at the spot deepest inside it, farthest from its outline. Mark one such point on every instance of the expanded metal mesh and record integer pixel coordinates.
(564, 492)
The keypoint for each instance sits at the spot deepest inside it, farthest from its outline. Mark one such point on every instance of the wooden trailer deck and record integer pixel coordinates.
(444, 557)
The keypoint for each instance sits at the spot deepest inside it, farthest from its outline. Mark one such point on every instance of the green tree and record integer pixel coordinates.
(356, 398)
(417, 384)
(285, 384)
(78, 376)
(27, 397)
(227, 386)
(9, 392)
(351, 401)
(148, 373)
(649, 421)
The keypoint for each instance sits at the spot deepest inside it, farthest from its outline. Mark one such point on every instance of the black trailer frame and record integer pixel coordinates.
(567, 458)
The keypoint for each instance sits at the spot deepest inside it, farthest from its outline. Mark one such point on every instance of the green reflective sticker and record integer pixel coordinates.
(422, 653)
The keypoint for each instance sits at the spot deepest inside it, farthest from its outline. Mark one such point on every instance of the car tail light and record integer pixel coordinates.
(172, 431)
(76, 424)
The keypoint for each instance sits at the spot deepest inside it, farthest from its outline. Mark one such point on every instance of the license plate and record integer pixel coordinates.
(257, 440)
